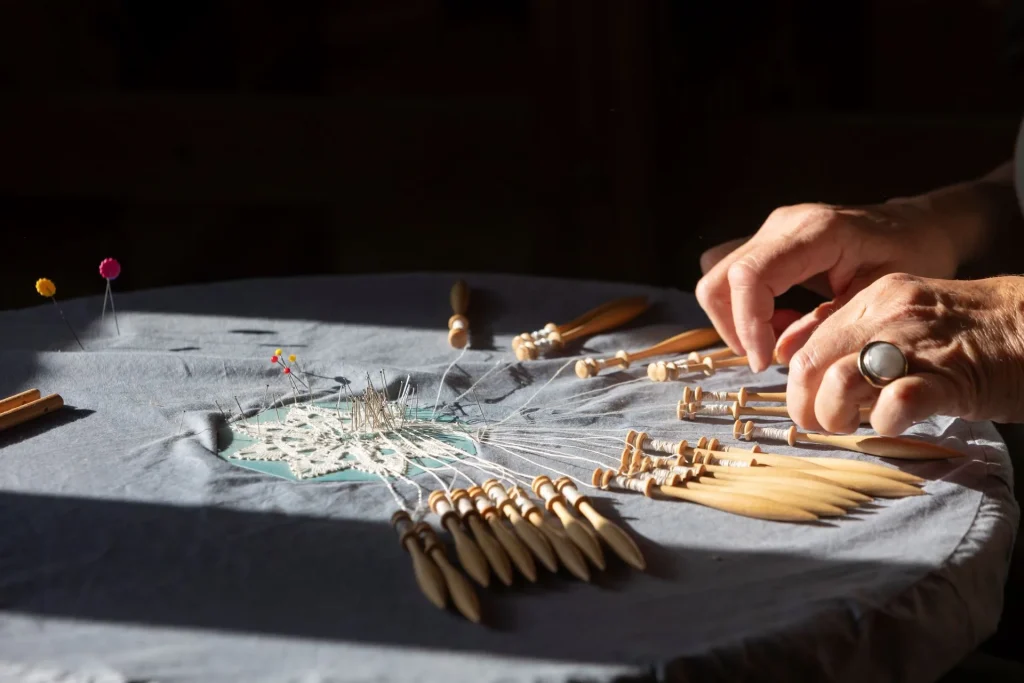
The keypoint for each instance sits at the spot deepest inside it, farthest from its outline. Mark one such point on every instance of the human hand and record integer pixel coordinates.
(964, 343)
(834, 251)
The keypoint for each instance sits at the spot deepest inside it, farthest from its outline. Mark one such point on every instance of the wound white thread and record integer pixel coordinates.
(526, 506)
(775, 433)
(686, 472)
(571, 495)
(497, 494)
(483, 505)
(715, 409)
(403, 526)
(629, 483)
(458, 324)
(660, 446)
(547, 491)
(661, 477)
(442, 506)
(465, 506)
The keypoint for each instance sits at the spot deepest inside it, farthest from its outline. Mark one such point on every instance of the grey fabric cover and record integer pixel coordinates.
(129, 551)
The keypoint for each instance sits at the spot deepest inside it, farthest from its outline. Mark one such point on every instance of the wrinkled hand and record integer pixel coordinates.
(964, 342)
(832, 250)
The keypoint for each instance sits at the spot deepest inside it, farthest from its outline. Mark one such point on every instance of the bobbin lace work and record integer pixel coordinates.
(314, 441)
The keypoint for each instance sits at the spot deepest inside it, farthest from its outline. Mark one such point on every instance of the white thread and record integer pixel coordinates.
(572, 496)
(440, 384)
(465, 506)
(714, 409)
(547, 491)
(660, 446)
(553, 377)
(442, 506)
(483, 505)
(660, 477)
(773, 433)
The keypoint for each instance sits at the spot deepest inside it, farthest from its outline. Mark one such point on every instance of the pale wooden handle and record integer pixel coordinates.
(869, 484)
(794, 477)
(495, 554)
(740, 504)
(785, 496)
(19, 400)
(519, 555)
(535, 541)
(567, 552)
(30, 411)
(428, 576)
(579, 535)
(619, 541)
(470, 557)
(884, 446)
(823, 496)
(861, 466)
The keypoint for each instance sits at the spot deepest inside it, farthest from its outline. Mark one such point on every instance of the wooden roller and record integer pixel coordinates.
(530, 535)
(428, 575)
(470, 557)
(458, 324)
(686, 341)
(882, 446)
(12, 402)
(567, 552)
(519, 555)
(736, 503)
(461, 590)
(578, 534)
(29, 411)
(612, 317)
(617, 539)
(492, 549)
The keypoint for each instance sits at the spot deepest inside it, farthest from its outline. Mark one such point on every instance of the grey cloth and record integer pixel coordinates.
(131, 552)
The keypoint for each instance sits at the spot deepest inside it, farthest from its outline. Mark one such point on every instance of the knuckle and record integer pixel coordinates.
(746, 272)
(705, 291)
(802, 366)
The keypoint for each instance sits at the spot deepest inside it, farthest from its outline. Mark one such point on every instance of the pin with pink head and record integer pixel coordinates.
(110, 269)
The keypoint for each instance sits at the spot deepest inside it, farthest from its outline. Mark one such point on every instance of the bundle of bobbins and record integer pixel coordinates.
(752, 483)
(504, 533)
(680, 343)
(552, 338)
(695, 363)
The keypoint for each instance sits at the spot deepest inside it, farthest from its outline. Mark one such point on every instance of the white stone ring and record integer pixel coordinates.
(881, 363)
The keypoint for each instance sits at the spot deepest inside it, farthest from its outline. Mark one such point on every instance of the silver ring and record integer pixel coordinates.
(882, 363)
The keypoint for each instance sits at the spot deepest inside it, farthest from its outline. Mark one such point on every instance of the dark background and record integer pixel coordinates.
(606, 139)
(611, 139)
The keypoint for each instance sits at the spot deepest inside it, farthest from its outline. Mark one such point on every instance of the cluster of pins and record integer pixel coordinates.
(753, 483)
(503, 532)
(552, 338)
(737, 405)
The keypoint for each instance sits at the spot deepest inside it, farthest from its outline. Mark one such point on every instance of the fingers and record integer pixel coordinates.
(783, 318)
(913, 399)
(842, 393)
(714, 297)
(797, 334)
(764, 272)
(839, 335)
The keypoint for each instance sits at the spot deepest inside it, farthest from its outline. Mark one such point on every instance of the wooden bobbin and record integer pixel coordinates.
(458, 324)
(881, 446)
(428, 576)
(568, 554)
(736, 503)
(520, 556)
(578, 533)
(663, 371)
(461, 590)
(529, 534)
(743, 396)
(617, 539)
(691, 339)
(470, 556)
(619, 313)
(845, 464)
(491, 548)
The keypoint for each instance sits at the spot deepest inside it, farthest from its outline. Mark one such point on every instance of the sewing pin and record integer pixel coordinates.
(47, 289)
(109, 270)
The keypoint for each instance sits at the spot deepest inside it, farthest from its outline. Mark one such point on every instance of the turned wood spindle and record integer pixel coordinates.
(616, 538)
(578, 534)
(491, 548)
(613, 317)
(742, 504)
(428, 576)
(470, 557)
(881, 446)
(568, 554)
(461, 590)
(458, 324)
(519, 555)
(530, 535)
